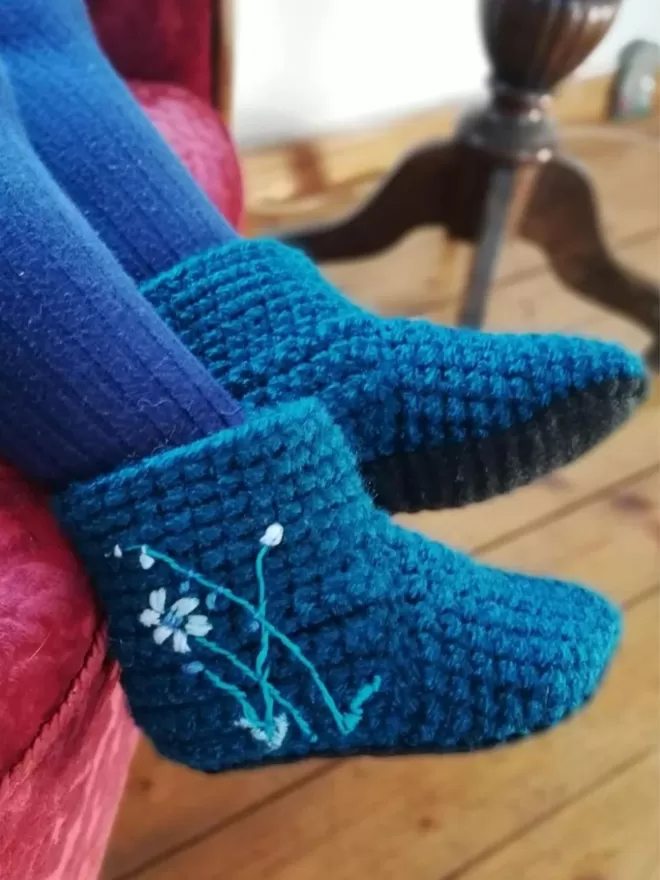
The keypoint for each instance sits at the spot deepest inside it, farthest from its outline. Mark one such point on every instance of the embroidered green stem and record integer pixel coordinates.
(365, 693)
(345, 723)
(262, 673)
(237, 694)
(274, 694)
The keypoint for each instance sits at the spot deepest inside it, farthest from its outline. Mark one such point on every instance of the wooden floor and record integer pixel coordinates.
(579, 803)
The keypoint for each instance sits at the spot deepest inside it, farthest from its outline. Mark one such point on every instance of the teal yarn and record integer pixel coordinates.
(259, 618)
(263, 653)
(439, 417)
(263, 609)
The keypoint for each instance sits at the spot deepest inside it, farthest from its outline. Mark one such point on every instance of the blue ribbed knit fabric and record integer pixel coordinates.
(438, 416)
(98, 144)
(263, 610)
(91, 377)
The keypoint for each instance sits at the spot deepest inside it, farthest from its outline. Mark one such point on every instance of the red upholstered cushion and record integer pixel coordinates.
(65, 734)
(194, 131)
(161, 40)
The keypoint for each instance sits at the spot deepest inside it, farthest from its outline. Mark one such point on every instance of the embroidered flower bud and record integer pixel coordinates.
(146, 561)
(272, 536)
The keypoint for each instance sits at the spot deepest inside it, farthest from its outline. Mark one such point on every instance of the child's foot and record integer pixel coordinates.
(263, 610)
(438, 416)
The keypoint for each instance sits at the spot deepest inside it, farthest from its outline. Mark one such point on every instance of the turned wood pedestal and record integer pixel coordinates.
(502, 174)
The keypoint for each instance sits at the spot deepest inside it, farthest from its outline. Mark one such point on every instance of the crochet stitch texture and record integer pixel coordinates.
(263, 609)
(438, 416)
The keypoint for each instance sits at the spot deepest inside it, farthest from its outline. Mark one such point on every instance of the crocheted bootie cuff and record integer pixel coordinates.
(242, 274)
(277, 464)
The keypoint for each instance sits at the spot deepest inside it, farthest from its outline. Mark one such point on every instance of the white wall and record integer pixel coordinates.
(310, 66)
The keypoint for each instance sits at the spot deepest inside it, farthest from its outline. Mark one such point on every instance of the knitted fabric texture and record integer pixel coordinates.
(438, 416)
(197, 135)
(91, 376)
(262, 609)
(98, 144)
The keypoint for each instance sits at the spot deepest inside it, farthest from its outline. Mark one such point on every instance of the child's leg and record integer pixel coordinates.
(97, 142)
(90, 376)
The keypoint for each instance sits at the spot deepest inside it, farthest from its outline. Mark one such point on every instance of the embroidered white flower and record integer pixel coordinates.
(178, 621)
(276, 738)
(272, 536)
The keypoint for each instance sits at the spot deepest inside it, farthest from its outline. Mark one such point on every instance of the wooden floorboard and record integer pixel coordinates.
(610, 832)
(579, 803)
(166, 806)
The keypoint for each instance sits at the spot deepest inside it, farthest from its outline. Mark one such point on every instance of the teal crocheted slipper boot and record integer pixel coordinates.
(263, 609)
(439, 417)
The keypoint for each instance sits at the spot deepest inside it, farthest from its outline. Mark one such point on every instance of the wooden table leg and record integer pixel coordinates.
(562, 219)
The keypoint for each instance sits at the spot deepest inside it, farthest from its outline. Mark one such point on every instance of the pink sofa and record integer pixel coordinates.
(65, 735)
